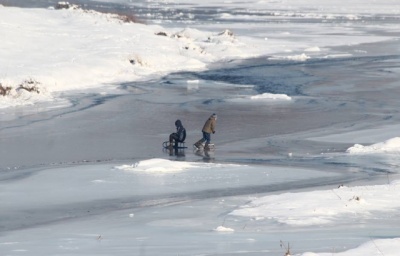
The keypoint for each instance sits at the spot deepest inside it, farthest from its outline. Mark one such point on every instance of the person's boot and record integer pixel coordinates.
(198, 144)
(207, 146)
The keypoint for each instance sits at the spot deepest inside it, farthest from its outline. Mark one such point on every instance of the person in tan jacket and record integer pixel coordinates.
(208, 128)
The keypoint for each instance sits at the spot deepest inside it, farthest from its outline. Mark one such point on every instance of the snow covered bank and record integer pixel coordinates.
(324, 207)
(386, 247)
(74, 49)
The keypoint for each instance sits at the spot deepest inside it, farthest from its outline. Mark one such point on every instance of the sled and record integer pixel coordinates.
(178, 145)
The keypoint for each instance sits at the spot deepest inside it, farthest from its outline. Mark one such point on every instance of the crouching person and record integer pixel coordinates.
(178, 136)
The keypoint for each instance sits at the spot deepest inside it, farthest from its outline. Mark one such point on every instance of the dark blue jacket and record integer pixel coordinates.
(180, 130)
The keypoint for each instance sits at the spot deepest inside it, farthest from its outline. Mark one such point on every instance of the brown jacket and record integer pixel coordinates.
(209, 126)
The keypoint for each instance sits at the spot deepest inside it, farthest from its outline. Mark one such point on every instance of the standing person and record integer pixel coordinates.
(179, 135)
(209, 127)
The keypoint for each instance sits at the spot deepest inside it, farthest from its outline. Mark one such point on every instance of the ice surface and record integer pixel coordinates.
(306, 144)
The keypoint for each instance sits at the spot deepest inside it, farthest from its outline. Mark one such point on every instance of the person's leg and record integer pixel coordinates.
(207, 138)
(172, 137)
(199, 142)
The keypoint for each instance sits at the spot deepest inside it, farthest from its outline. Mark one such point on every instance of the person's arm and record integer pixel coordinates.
(213, 125)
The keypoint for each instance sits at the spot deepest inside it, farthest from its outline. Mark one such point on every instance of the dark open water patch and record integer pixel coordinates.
(279, 76)
(31, 3)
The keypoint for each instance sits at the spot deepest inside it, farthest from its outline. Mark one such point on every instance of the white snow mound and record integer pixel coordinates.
(324, 207)
(270, 96)
(223, 229)
(158, 165)
(389, 146)
(387, 247)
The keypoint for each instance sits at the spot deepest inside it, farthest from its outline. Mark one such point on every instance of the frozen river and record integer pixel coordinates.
(330, 97)
(59, 164)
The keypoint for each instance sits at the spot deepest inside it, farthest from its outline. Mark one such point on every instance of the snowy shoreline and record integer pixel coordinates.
(57, 50)
(72, 49)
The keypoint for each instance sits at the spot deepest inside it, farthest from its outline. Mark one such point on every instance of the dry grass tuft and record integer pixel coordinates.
(287, 249)
(30, 86)
(66, 5)
(5, 90)
(128, 18)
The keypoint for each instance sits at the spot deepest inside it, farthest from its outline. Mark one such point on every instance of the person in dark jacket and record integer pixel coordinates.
(208, 128)
(179, 135)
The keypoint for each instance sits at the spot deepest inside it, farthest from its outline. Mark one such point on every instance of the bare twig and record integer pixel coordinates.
(287, 253)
